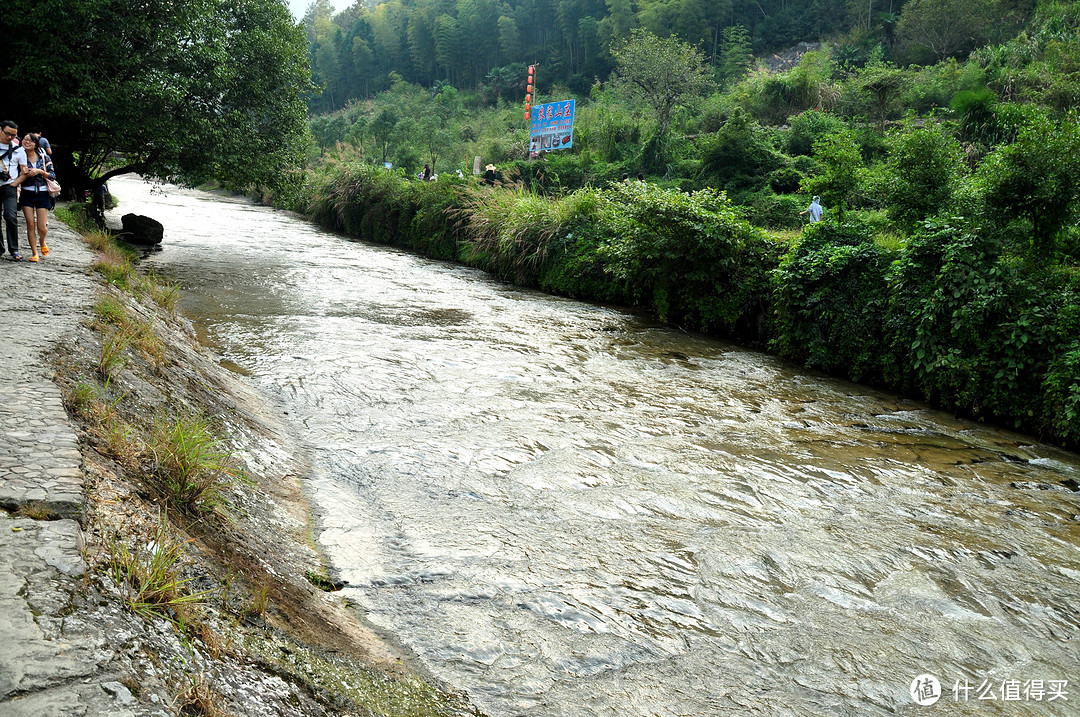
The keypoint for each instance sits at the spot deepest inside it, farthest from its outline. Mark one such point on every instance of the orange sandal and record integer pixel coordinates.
(33, 258)
(44, 249)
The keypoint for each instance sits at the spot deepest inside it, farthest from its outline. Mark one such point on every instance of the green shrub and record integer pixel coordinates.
(831, 300)
(191, 465)
(766, 209)
(977, 330)
(921, 173)
(690, 257)
(739, 156)
(808, 127)
(785, 180)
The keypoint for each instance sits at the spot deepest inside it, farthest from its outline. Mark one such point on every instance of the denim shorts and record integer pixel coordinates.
(37, 200)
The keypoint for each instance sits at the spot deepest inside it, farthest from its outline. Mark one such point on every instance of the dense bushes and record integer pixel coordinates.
(831, 301)
(953, 317)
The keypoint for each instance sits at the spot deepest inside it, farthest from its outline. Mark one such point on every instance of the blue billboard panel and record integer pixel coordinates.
(552, 126)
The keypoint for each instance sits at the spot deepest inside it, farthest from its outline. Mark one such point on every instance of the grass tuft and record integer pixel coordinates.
(113, 345)
(198, 698)
(149, 575)
(111, 311)
(191, 466)
(83, 399)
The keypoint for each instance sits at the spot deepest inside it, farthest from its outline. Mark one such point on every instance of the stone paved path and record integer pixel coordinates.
(51, 661)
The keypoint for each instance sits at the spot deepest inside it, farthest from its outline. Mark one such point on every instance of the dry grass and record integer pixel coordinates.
(198, 698)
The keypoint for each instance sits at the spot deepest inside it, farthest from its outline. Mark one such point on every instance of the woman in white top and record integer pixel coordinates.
(34, 198)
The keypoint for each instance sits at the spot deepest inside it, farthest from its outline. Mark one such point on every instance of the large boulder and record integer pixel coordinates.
(138, 229)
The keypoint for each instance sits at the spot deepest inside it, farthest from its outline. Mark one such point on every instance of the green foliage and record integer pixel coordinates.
(839, 179)
(735, 54)
(831, 301)
(875, 91)
(181, 91)
(939, 29)
(1042, 63)
(191, 466)
(970, 325)
(785, 180)
(773, 98)
(665, 73)
(922, 172)
(766, 209)
(149, 575)
(739, 156)
(1037, 178)
(691, 256)
(808, 127)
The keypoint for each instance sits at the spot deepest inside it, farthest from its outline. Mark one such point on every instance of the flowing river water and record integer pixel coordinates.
(566, 509)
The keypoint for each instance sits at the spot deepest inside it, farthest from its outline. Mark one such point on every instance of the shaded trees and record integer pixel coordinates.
(182, 92)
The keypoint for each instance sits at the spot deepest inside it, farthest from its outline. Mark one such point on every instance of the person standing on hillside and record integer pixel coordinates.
(815, 210)
(12, 165)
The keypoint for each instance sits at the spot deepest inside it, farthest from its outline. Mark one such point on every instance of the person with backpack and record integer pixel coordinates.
(12, 166)
(35, 199)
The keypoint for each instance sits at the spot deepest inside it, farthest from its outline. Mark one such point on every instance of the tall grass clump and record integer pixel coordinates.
(111, 311)
(149, 575)
(192, 467)
(114, 345)
(164, 293)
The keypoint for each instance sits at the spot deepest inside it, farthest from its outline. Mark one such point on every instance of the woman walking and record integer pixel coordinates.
(34, 198)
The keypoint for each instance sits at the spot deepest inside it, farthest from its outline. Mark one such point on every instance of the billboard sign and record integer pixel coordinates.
(552, 126)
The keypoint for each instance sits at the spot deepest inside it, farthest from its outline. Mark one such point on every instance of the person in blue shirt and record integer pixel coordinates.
(42, 142)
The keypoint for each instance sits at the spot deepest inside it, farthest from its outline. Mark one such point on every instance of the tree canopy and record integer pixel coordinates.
(185, 92)
(662, 71)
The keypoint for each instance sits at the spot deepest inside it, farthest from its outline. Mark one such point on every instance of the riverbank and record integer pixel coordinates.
(122, 596)
(964, 316)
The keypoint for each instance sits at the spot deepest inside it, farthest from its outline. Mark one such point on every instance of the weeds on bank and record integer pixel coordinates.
(198, 698)
(149, 575)
(119, 440)
(35, 511)
(191, 466)
(163, 293)
(83, 399)
(114, 342)
(110, 310)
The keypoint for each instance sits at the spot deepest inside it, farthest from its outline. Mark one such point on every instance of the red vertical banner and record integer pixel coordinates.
(529, 93)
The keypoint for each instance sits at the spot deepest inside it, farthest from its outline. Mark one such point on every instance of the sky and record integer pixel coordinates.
(299, 7)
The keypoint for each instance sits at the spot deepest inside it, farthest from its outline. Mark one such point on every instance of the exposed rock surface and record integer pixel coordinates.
(263, 641)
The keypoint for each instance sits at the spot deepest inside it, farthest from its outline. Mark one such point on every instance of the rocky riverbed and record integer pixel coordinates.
(83, 516)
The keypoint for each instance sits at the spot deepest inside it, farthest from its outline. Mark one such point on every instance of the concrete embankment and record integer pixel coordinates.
(238, 626)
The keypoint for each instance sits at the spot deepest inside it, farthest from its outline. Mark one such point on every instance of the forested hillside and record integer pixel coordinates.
(486, 44)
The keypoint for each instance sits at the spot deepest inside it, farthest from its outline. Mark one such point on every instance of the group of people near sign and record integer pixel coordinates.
(28, 181)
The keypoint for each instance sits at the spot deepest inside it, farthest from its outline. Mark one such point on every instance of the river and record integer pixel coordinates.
(569, 510)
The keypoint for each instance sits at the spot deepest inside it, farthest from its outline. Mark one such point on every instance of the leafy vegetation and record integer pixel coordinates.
(191, 466)
(187, 92)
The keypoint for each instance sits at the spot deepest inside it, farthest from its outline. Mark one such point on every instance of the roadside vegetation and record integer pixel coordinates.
(948, 264)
